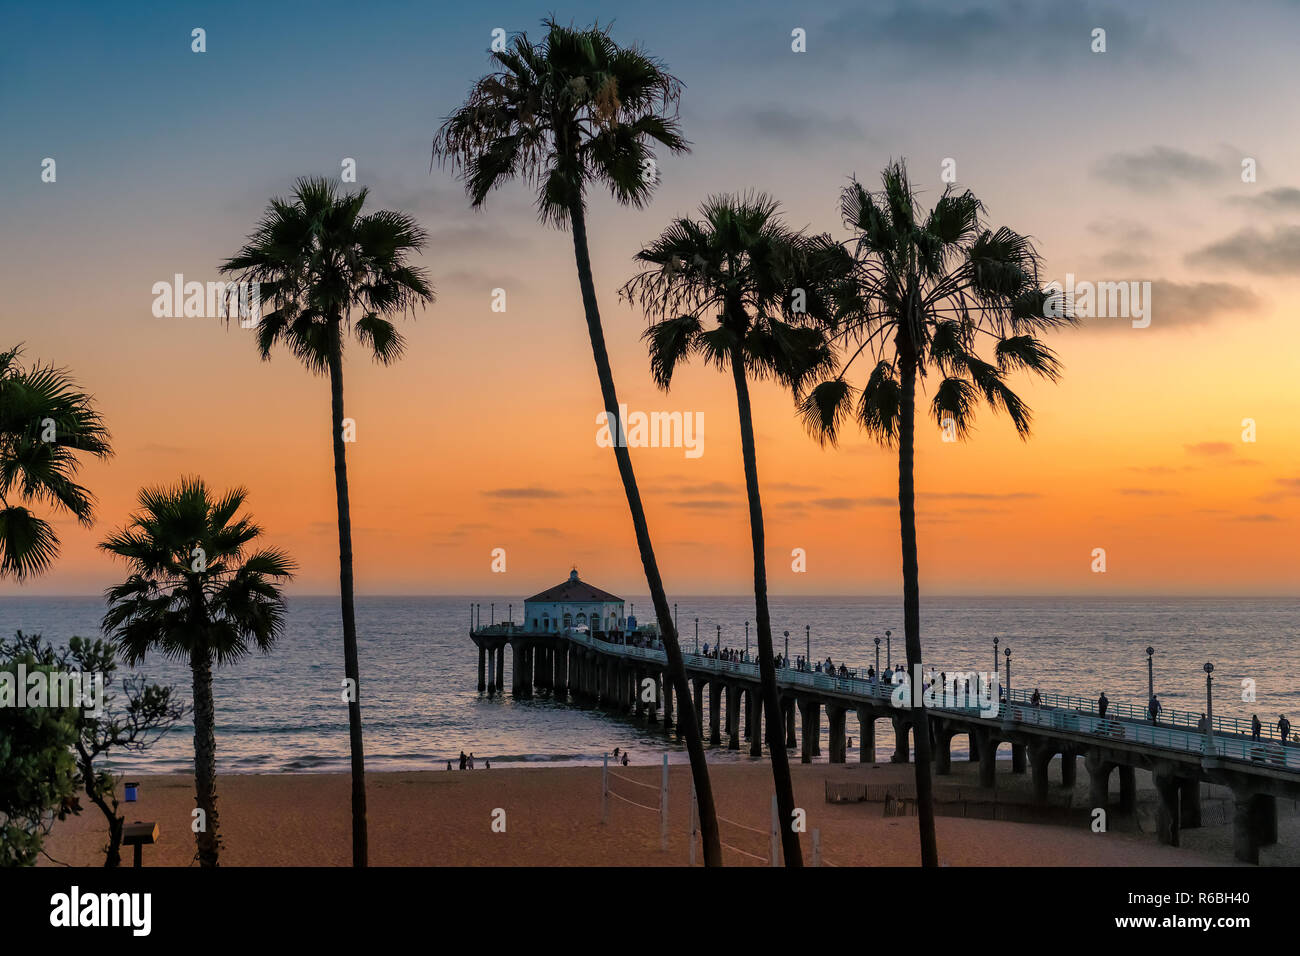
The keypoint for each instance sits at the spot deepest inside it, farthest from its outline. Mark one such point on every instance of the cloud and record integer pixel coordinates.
(991, 36)
(1214, 449)
(1256, 517)
(1157, 170)
(1275, 253)
(1120, 230)
(1290, 488)
(1146, 492)
(524, 494)
(705, 504)
(1281, 199)
(800, 127)
(1183, 304)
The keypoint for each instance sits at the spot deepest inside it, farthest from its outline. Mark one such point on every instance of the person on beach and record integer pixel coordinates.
(448, 764)
(624, 758)
(1255, 726)
(1102, 703)
(1154, 708)
(487, 764)
(615, 754)
(463, 760)
(471, 760)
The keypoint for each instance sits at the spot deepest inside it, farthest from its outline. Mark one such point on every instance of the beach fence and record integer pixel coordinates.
(607, 790)
(742, 831)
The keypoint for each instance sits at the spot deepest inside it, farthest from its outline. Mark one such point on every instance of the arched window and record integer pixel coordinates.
(582, 619)
(568, 620)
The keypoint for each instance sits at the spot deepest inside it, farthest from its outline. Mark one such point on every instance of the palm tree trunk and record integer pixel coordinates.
(676, 665)
(205, 755)
(351, 668)
(912, 599)
(766, 662)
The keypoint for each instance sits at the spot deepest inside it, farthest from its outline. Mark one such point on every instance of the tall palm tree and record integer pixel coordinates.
(196, 593)
(739, 264)
(46, 422)
(322, 263)
(573, 110)
(929, 291)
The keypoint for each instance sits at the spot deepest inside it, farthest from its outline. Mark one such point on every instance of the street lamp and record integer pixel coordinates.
(889, 653)
(492, 613)
(1209, 709)
(1007, 652)
(877, 658)
(995, 656)
(1151, 681)
(787, 649)
(697, 635)
(746, 640)
(807, 636)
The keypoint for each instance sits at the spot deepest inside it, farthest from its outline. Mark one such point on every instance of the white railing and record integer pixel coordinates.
(1055, 711)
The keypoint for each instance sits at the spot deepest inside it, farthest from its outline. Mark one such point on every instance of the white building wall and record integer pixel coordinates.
(608, 613)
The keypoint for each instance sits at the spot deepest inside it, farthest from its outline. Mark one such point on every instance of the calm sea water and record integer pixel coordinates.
(283, 712)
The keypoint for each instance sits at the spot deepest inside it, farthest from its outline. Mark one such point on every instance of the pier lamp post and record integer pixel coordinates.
(995, 656)
(718, 646)
(1151, 680)
(807, 636)
(479, 608)
(889, 653)
(1209, 709)
(877, 658)
(492, 613)
(787, 649)
(697, 635)
(511, 613)
(746, 640)
(1007, 652)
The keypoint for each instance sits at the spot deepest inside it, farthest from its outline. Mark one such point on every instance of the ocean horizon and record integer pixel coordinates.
(283, 712)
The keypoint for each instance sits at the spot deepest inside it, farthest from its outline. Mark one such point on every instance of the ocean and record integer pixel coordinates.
(283, 712)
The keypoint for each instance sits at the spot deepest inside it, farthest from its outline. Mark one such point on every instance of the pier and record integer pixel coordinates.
(627, 679)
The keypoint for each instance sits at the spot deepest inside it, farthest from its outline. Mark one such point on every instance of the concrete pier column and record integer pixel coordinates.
(482, 669)
(1167, 815)
(1264, 809)
(1069, 768)
(902, 749)
(1127, 789)
(501, 668)
(754, 722)
(835, 715)
(988, 751)
(1040, 757)
(1018, 762)
(539, 667)
(516, 670)
(810, 729)
(942, 752)
(1098, 780)
(491, 670)
(715, 707)
(972, 748)
(787, 705)
(652, 705)
(733, 717)
(866, 736)
(1189, 803)
(562, 670)
(751, 717)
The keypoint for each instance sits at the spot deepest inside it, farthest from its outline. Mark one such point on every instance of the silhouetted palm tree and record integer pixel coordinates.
(929, 292)
(321, 262)
(196, 594)
(741, 265)
(572, 111)
(45, 422)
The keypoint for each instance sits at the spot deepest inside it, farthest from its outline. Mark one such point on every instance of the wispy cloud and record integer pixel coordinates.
(1252, 250)
(1158, 169)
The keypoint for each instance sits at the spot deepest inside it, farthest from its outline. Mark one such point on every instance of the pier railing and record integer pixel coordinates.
(1177, 730)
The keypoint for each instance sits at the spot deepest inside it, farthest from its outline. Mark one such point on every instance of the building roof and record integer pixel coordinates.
(573, 591)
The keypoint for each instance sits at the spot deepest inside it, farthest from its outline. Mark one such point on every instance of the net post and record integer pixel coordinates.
(663, 808)
(774, 849)
(817, 847)
(604, 790)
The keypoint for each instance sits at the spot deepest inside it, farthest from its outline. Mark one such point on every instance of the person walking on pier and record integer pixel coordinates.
(1102, 703)
(1283, 728)
(1035, 699)
(1154, 708)
(1203, 724)
(1255, 726)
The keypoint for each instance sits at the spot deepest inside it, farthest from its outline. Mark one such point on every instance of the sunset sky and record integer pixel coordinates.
(1122, 165)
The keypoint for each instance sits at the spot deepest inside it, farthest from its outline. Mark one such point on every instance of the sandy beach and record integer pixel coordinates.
(553, 818)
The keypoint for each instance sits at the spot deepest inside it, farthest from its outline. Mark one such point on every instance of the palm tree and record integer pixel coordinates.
(740, 264)
(196, 594)
(45, 423)
(928, 292)
(571, 111)
(321, 262)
